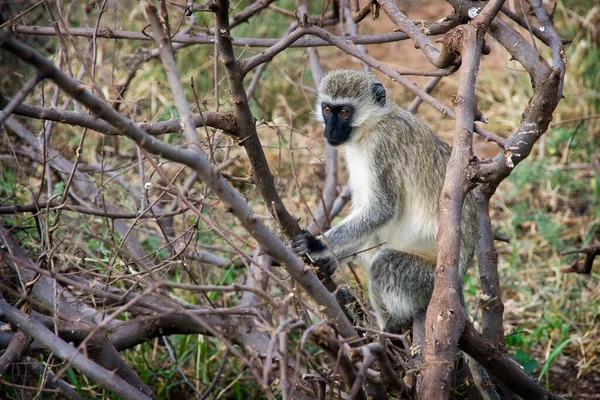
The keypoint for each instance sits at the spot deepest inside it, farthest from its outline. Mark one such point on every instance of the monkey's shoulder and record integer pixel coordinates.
(407, 127)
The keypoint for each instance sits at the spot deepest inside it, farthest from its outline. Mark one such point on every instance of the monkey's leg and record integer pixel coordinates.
(400, 287)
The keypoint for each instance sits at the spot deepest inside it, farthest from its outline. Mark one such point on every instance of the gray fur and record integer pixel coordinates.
(397, 166)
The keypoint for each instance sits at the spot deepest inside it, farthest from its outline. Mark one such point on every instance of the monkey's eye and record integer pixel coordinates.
(345, 113)
(327, 110)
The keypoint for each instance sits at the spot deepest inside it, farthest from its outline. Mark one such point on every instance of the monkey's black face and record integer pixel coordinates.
(337, 123)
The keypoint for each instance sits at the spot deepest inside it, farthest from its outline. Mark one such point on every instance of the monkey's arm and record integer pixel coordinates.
(353, 232)
(360, 226)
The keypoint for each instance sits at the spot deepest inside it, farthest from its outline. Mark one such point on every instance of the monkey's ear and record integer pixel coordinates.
(379, 93)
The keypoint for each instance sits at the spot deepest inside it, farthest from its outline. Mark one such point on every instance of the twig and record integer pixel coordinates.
(19, 15)
(543, 36)
(372, 7)
(390, 376)
(590, 255)
(213, 383)
(52, 381)
(324, 336)
(20, 97)
(202, 166)
(414, 105)
(18, 345)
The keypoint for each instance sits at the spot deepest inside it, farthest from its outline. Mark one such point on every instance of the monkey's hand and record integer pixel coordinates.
(306, 244)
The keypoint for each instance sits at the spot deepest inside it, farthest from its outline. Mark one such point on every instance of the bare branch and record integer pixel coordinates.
(446, 315)
(324, 336)
(68, 353)
(441, 59)
(263, 177)
(20, 97)
(200, 163)
(209, 39)
(499, 364)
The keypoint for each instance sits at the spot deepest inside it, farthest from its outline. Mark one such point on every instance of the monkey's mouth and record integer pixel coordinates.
(335, 141)
(336, 138)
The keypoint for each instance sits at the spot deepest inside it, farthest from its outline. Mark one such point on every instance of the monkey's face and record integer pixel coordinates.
(338, 122)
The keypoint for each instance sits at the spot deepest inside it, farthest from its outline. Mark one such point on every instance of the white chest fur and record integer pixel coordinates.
(357, 163)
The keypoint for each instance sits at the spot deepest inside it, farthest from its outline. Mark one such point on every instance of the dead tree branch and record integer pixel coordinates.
(200, 163)
(104, 378)
(446, 315)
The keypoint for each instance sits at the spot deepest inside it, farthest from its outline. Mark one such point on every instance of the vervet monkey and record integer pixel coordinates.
(397, 166)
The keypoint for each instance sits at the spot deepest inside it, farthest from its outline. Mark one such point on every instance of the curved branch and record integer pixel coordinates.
(222, 121)
(501, 366)
(441, 59)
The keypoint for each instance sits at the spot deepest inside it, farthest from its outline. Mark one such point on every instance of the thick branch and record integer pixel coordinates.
(446, 315)
(247, 127)
(487, 259)
(67, 352)
(501, 366)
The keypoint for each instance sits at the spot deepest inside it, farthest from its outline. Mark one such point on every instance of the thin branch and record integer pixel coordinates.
(542, 35)
(55, 204)
(428, 88)
(590, 255)
(441, 59)
(52, 382)
(556, 43)
(372, 7)
(199, 163)
(260, 168)
(222, 121)
(208, 39)
(324, 336)
(20, 97)
(245, 14)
